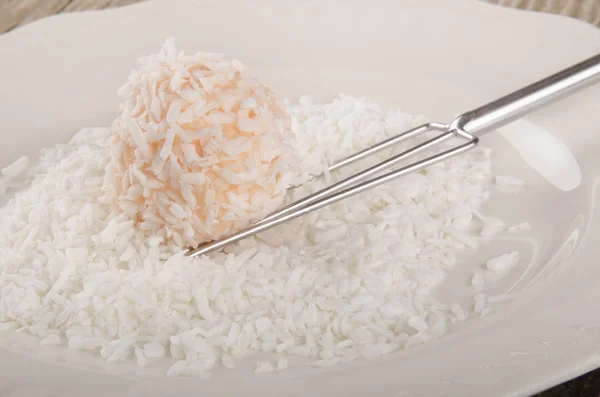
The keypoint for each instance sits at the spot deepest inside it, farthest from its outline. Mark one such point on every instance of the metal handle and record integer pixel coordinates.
(513, 106)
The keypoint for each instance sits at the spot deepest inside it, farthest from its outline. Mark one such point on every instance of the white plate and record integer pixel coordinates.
(435, 57)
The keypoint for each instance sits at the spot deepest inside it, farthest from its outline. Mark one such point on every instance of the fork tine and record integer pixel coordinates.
(315, 204)
(388, 143)
(377, 168)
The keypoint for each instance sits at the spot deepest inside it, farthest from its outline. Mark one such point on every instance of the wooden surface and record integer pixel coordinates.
(15, 13)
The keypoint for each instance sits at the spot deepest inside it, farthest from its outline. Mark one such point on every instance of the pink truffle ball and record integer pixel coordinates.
(201, 148)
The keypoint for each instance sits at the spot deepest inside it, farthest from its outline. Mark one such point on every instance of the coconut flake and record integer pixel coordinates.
(493, 227)
(477, 281)
(519, 227)
(263, 367)
(16, 168)
(504, 263)
(509, 181)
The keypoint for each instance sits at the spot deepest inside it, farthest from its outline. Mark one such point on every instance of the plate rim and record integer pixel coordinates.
(587, 363)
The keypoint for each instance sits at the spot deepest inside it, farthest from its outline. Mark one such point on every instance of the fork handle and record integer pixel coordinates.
(515, 105)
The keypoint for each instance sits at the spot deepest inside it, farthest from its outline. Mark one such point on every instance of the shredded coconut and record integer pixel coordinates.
(503, 263)
(351, 281)
(492, 228)
(499, 298)
(12, 173)
(282, 364)
(479, 303)
(263, 367)
(478, 281)
(519, 227)
(500, 266)
(16, 168)
(227, 361)
(509, 181)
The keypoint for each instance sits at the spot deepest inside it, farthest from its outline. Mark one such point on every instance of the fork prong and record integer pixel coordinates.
(340, 195)
(371, 171)
(388, 143)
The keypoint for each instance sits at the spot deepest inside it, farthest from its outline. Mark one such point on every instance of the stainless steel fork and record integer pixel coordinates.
(468, 127)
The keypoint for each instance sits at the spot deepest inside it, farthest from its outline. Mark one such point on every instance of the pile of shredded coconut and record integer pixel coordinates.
(201, 148)
(351, 281)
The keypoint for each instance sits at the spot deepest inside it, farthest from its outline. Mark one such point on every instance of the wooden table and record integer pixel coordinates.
(15, 13)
